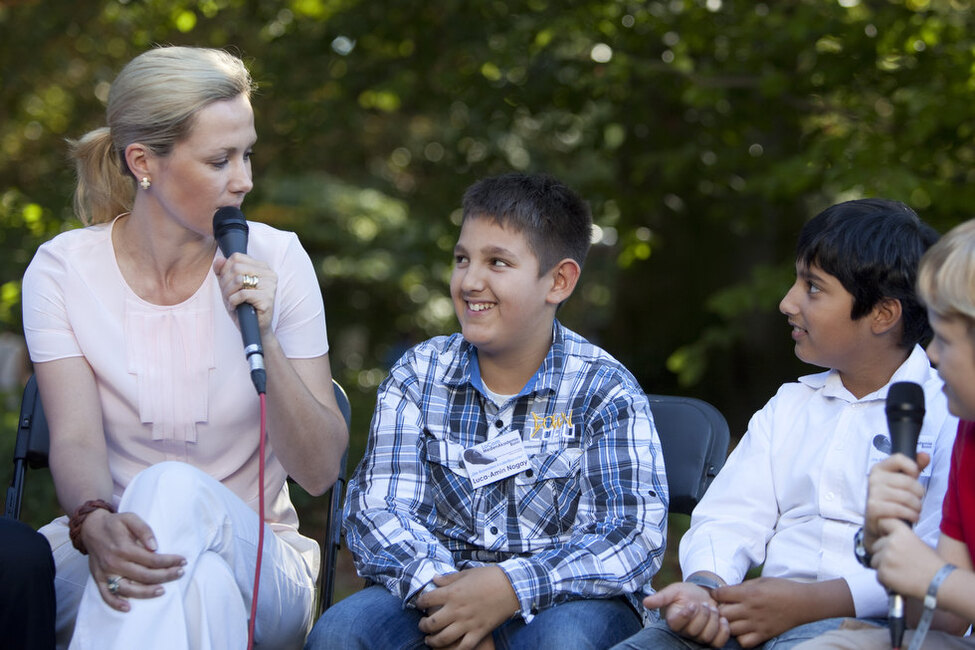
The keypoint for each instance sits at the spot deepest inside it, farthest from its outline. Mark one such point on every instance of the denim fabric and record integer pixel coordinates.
(375, 619)
(659, 636)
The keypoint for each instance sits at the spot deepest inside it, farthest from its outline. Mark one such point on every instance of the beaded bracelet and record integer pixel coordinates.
(78, 519)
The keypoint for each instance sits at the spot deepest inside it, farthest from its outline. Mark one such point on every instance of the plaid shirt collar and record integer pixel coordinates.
(463, 368)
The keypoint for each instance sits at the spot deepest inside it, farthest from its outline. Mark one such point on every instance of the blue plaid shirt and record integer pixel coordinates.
(587, 520)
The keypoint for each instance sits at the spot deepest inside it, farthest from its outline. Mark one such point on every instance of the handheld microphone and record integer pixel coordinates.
(230, 231)
(905, 412)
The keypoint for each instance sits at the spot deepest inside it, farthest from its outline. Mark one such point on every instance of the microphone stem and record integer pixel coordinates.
(895, 617)
(258, 374)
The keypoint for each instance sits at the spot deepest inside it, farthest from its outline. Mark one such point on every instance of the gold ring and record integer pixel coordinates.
(114, 584)
(250, 281)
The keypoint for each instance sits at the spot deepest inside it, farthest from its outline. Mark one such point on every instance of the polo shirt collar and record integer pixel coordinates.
(915, 368)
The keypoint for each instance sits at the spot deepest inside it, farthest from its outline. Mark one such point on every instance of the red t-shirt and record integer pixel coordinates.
(958, 511)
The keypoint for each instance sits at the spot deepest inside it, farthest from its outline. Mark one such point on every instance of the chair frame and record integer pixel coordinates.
(31, 447)
(333, 517)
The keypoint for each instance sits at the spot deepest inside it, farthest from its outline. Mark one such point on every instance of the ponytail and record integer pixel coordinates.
(103, 190)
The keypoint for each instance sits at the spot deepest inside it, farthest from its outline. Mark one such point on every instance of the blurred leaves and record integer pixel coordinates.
(703, 132)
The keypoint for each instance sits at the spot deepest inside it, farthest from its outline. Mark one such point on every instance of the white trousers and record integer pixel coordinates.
(193, 515)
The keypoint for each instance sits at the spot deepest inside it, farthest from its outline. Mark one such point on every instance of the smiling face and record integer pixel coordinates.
(209, 169)
(951, 350)
(504, 307)
(819, 308)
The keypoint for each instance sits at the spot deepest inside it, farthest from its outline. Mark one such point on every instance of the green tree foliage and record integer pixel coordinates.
(703, 132)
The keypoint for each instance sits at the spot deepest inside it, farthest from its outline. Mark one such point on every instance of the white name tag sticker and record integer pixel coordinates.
(880, 449)
(496, 459)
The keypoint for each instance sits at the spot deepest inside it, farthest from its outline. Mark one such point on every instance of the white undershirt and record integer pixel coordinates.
(497, 398)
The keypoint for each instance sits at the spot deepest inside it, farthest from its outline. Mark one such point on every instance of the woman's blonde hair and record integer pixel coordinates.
(946, 279)
(153, 101)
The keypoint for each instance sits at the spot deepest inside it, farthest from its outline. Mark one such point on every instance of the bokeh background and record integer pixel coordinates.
(702, 132)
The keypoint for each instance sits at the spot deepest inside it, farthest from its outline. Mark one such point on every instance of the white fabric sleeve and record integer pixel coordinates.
(47, 328)
(732, 524)
(300, 319)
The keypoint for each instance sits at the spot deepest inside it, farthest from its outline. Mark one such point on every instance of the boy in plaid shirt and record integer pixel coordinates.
(512, 492)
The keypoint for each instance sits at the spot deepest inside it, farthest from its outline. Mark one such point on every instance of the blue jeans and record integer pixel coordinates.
(659, 635)
(374, 618)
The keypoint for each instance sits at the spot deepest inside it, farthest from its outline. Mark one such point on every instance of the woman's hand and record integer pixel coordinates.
(244, 279)
(121, 546)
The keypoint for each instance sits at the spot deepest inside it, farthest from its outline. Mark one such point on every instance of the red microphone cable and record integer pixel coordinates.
(260, 534)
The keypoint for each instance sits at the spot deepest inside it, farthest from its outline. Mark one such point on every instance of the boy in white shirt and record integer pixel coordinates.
(792, 494)
(936, 584)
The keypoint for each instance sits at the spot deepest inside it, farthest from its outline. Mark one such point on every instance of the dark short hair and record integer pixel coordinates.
(556, 222)
(873, 247)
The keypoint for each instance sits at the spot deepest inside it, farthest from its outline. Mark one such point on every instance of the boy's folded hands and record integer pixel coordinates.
(691, 612)
(466, 607)
(762, 608)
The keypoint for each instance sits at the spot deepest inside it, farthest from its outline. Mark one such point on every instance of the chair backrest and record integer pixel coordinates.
(31, 447)
(695, 437)
(333, 518)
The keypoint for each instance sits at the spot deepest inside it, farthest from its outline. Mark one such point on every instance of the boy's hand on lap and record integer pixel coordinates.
(691, 612)
(466, 607)
(760, 609)
(487, 643)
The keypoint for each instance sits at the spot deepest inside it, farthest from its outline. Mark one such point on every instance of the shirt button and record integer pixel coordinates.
(829, 496)
(499, 423)
(529, 473)
(494, 530)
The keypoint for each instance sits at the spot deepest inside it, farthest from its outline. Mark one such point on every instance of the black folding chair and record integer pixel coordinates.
(30, 449)
(333, 518)
(694, 436)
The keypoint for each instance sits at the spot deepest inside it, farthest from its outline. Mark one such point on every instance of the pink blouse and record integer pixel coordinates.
(173, 381)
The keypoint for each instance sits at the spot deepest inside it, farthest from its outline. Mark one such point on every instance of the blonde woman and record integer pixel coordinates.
(154, 422)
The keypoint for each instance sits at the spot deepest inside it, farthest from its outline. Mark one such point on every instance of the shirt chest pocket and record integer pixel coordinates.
(547, 495)
(449, 481)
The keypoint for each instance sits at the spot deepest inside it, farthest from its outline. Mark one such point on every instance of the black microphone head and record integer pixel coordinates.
(230, 230)
(905, 399)
(228, 217)
(905, 413)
